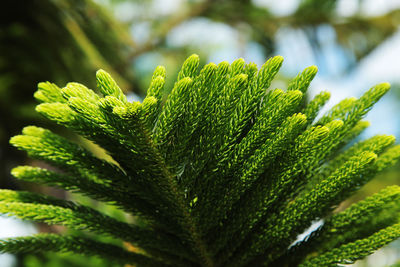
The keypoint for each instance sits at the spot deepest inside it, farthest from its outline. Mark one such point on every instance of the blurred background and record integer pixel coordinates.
(354, 43)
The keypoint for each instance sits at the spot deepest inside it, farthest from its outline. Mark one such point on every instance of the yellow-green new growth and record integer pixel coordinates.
(223, 171)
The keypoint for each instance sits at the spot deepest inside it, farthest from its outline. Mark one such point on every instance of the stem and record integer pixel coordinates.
(187, 223)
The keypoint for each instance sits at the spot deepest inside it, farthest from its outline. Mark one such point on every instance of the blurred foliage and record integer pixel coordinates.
(358, 35)
(57, 41)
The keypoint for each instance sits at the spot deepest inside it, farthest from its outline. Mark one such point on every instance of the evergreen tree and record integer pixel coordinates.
(224, 172)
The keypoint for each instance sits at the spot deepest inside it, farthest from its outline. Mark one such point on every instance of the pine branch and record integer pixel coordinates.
(349, 253)
(356, 222)
(78, 184)
(312, 109)
(84, 218)
(225, 172)
(303, 210)
(51, 242)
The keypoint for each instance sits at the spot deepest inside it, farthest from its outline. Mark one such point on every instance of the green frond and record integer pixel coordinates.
(79, 91)
(237, 67)
(126, 200)
(171, 114)
(303, 80)
(269, 119)
(45, 145)
(251, 97)
(388, 158)
(298, 215)
(352, 133)
(49, 93)
(108, 87)
(338, 111)
(87, 109)
(250, 70)
(222, 171)
(189, 67)
(152, 102)
(51, 242)
(252, 169)
(349, 253)
(84, 218)
(312, 108)
(358, 221)
(60, 113)
(11, 196)
(199, 99)
(375, 144)
(268, 71)
(158, 72)
(75, 184)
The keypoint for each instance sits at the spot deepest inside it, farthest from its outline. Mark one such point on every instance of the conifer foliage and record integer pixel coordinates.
(225, 171)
